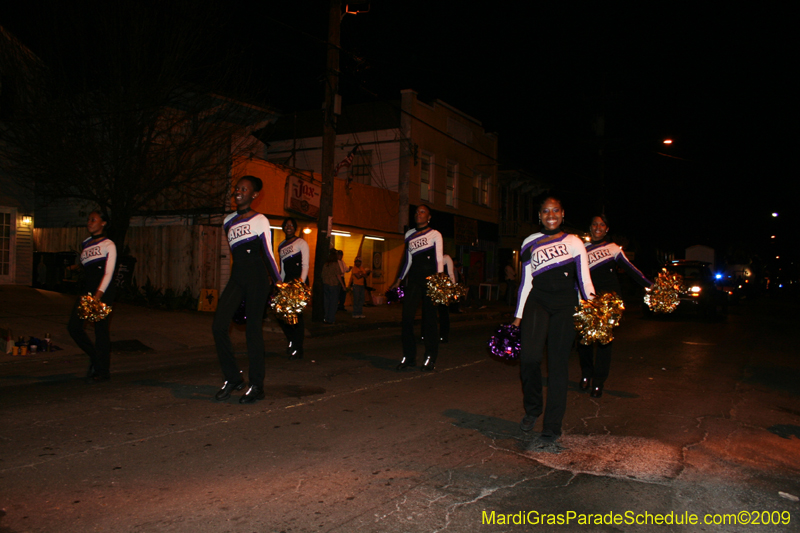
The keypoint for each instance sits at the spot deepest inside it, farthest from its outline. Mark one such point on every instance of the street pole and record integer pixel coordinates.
(328, 146)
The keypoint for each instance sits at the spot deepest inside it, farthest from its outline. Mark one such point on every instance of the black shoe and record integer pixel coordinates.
(295, 355)
(404, 363)
(585, 383)
(225, 392)
(443, 340)
(428, 365)
(289, 351)
(90, 371)
(253, 394)
(98, 377)
(597, 391)
(550, 434)
(528, 422)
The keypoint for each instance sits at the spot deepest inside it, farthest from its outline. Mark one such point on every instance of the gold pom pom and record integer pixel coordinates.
(663, 296)
(595, 319)
(92, 310)
(442, 290)
(290, 300)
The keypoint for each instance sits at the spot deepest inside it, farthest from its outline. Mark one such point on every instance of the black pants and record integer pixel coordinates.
(444, 322)
(250, 281)
(295, 334)
(100, 352)
(342, 295)
(595, 367)
(540, 324)
(414, 292)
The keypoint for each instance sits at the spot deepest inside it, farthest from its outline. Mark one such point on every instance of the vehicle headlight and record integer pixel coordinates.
(694, 290)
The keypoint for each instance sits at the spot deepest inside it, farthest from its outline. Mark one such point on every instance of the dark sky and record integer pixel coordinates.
(720, 81)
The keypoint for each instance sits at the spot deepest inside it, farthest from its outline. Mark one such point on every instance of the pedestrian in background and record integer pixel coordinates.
(332, 286)
(358, 280)
(343, 269)
(511, 282)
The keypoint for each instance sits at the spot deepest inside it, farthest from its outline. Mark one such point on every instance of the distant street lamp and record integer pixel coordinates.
(667, 141)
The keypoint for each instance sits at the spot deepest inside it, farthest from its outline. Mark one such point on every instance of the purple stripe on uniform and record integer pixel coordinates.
(603, 262)
(101, 259)
(271, 265)
(580, 277)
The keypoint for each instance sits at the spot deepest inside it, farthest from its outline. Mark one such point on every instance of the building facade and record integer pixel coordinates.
(427, 153)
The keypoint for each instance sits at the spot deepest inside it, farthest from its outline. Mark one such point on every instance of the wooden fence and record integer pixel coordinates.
(171, 257)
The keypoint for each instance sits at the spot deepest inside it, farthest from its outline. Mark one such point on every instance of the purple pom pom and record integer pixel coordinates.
(240, 316)
(505, 342)
(394, 295)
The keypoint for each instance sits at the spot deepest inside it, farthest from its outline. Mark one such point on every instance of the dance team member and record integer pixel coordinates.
(604, 257)
(250, 240)
(294, 255)
(99, 259)
(423, 258)
(555, 272)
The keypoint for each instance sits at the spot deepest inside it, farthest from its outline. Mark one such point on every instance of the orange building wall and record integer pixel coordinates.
(359, 209)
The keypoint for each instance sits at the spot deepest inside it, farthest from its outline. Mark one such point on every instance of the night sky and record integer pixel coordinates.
(719, 81)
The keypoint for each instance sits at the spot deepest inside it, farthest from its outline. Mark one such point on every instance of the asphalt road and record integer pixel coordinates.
(698, 418)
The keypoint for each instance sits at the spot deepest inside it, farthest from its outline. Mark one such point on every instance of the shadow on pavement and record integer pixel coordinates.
(498, 428)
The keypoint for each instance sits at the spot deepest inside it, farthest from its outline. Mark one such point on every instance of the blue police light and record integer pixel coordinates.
(718, 276)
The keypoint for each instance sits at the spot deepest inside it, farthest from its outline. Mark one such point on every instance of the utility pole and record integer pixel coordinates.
(328, 147)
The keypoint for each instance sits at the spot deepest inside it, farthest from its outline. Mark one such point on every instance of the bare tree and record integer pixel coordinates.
(131, 116)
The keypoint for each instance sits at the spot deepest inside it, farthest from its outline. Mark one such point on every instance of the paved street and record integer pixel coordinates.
(698, 417)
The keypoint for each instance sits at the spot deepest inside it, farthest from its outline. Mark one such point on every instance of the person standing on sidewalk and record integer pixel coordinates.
(343, 269)
(99, 259)
(332, 283)
(604, 257)
(254, 264)
(358, 280)
(294, 255)
(423, 258)
(511, 282)
(555, 272)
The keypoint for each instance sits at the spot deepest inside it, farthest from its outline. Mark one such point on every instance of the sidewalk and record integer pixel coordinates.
(35, 312)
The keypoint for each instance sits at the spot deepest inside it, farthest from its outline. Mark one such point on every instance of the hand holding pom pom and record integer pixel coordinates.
(664, 295)
(92, 310)
(595, 319)
(442, 290)
(394, 295)
(290, 300)
(240, 316)
(505, 342)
